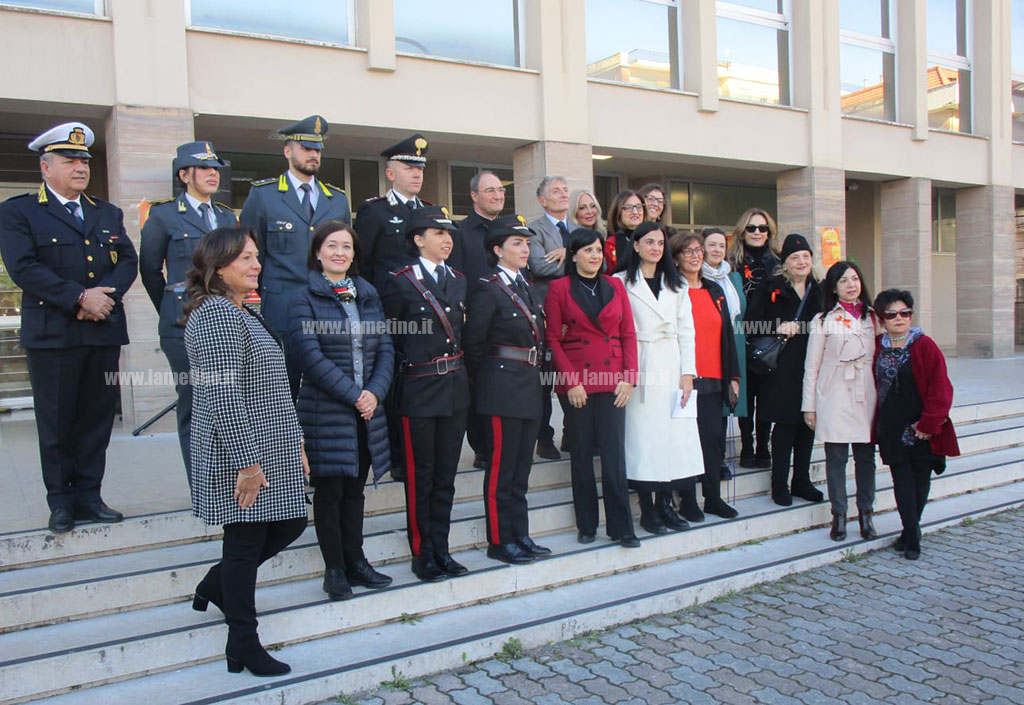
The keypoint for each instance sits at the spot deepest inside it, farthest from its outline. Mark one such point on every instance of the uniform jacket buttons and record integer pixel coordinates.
(86, 242)
(447, 309)
(184, 235)
(89, 258)
(54, 239)
(91, 275)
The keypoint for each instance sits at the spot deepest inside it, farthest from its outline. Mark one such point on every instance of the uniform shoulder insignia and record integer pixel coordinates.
(225, 206)
(374, 199)
(425, 202)
(264, 182)
(403, 270)
(489, 279)
(455, 271)
(333, 187)
(162, 200)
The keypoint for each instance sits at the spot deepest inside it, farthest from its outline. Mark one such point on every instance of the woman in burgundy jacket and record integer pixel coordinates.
(593, 345)
(912, 425)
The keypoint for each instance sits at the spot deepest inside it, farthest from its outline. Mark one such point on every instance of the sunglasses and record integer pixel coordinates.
(757, 228)
(903, 313)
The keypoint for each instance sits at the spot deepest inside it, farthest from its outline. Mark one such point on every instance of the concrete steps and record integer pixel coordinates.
(114, 597)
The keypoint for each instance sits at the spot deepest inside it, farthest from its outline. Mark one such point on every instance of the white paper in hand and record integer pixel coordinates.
(685, 412)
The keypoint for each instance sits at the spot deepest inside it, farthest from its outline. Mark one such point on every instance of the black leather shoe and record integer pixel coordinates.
(480, 462)
(747, 460)
(509, 553)
(725, 473)
(667, 514)
(838, 530)
(720, 509)
(782, 498)
(690, 511)
(900, 545)
(808, 492)
(426, 570)
(362, 573)
(532, 547)
(912, 554)
(547, 450)
(98, 511)
(62, 520)
(449, 565)
(336, 585)
(867, 526)
(627, 541)
(763, 461)
(585, 538)
(652, 524)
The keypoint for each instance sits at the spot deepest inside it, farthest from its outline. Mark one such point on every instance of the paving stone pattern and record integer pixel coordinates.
(946, 629)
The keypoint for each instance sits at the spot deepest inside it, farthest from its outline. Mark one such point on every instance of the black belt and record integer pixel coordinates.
(530, 356)
(435, 368)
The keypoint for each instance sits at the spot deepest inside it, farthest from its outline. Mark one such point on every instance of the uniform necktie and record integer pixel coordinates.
(73, 209)
(442, 280)
(204, 211)
(564, 232)
(524, 291)
(413, 205)
(307, 201)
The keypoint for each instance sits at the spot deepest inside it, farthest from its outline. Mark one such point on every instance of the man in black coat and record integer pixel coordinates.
(431, 391)
(74, 262)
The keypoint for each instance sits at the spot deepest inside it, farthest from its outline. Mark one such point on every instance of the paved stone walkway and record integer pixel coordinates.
(947, 629)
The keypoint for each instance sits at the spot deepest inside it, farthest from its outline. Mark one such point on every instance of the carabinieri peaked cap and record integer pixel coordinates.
(412, 150)
(504, 227)
(70, 139)
(430, 217)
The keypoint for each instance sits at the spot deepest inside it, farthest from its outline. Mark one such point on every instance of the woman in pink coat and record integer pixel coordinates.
(839, 391)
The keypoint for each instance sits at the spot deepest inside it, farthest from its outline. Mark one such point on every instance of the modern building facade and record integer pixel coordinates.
(897, 123)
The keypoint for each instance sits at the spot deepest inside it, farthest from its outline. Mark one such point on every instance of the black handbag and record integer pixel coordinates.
(763, 353)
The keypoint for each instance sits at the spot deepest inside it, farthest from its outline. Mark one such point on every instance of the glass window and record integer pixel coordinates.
(870, 17)
(363, 181)
(1017, 68)
(462, 201)
(947, 26)
(943, 220)
(867, 59)
(679, 202)
(722, 205)
(948, 77)
(318, 20)
(633, 41)
(472, 30)
(89, 7)
(753, 54)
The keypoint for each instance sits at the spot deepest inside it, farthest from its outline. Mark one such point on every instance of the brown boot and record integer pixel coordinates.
(867, 527)
(838, 532)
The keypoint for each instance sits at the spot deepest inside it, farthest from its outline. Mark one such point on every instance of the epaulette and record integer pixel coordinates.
(403, 270)
(224, 206)
(339, 190)
(455, 271)
(164, 200)
(488, 280)
(264, 182)
(373, 199)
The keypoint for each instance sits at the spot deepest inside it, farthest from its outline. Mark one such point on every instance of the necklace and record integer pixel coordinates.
(900, 339)
(591, 289)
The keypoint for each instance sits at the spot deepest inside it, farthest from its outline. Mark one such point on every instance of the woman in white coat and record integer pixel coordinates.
(839, 391)
(661, 450)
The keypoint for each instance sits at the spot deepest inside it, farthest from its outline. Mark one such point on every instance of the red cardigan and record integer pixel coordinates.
(936, 392)
(582, 353)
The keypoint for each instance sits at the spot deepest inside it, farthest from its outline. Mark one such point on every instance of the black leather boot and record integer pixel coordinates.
(867, 525)
(665, 512)
(249, 653)
(650, 521)
(838, 531)
(336, 584)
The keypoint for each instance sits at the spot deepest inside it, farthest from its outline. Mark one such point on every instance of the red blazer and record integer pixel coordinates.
(936, 392)
(582, 353)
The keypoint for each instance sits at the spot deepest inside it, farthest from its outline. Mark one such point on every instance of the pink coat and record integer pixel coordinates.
(839, 384)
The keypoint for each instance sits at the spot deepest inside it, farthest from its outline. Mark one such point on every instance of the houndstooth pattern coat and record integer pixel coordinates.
(242, 413)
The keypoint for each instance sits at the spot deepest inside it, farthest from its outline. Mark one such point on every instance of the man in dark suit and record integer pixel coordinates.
(382, 222)
(431, 391)
(284, 211)
(170, 234)
(74, 262)
(469, 256)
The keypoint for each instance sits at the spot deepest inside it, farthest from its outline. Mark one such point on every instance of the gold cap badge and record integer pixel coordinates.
(421, 144)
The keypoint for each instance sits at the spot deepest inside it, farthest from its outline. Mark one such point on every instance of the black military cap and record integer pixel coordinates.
(412, 150)
(309, 132)
(70, 139)
(196, 154)
(429, 217)
(504, 227)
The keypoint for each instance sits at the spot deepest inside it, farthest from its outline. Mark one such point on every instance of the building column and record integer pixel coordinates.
(811, 199)
(906, 251)
(534, 161)
(985, 233)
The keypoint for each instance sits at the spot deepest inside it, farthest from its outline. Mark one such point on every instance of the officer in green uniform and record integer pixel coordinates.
(284, 211)
(171, 233)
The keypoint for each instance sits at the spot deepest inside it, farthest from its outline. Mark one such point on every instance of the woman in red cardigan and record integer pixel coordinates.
(593, 345)
(912, 425)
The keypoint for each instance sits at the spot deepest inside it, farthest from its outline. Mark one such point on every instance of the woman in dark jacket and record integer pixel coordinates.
(792, 297)
(625, 215)
(338, 341)
(754, 255)
(912, 424)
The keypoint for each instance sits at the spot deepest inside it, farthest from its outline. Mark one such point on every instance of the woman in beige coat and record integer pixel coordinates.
(839, 392)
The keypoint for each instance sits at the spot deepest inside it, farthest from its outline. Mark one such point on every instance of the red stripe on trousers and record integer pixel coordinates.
(410, 483)
(492, 488)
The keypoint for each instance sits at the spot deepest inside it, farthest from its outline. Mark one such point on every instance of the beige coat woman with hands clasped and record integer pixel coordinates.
(839, 384)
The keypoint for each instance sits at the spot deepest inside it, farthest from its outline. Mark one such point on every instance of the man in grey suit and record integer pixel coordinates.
(547, 262)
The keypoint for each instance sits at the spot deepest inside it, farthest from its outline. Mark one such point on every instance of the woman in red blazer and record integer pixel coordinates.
(912, 425)
(593, 345)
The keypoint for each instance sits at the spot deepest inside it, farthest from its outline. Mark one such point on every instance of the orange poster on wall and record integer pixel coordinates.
(831, 247)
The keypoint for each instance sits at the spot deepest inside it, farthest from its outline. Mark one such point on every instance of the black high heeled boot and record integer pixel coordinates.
(650, 521)
(249, 653)
(667, 514)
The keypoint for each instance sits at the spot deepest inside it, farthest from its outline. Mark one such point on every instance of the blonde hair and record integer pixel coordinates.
(574, 205)
(737, 248)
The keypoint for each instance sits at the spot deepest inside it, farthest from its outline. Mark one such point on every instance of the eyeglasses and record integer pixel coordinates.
(903, 313)
(492, 191)
(655, 200)
(634, 208)
(692, 252)
(757, 228)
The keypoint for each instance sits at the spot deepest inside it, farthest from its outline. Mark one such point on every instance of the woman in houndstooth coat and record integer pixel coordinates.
(247, 454)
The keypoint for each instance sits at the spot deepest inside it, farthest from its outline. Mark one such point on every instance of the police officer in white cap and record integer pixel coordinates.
(169, 236)
(71, 257)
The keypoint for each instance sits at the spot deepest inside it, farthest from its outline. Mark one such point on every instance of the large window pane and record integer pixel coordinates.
(866, 17)
(680, 203)
(949, 99)
(947, 26)
(1017, 36)
(766, 5)
(85, 6)
(605, 188)
(1017, 95)
(462, 201)
(317, 20)
(364, 181)
(749, 66)
(943, 220)
(867, 80)
(633, 41)
(471, 30)
(716, 204)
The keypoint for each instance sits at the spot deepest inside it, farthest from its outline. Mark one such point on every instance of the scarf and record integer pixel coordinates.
(344, 289)
(890, 360)
(853, 308)
(720, 275)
